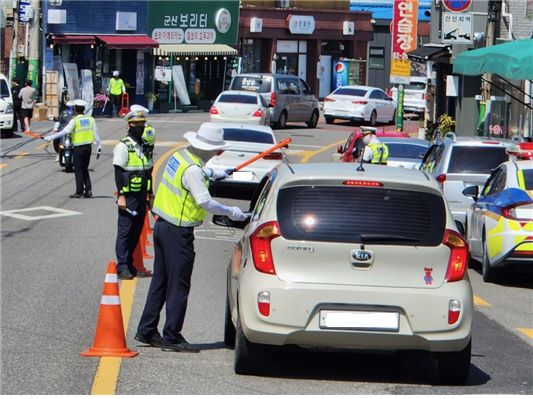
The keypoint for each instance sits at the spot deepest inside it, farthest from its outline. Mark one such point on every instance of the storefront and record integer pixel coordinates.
(304, 42)
(195, 48)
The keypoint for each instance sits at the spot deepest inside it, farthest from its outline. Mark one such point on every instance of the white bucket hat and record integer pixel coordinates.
(116, 73)
(209, 137)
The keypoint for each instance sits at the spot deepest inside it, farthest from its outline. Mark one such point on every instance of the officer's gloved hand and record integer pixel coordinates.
(236, 214)
(47, 138)
(99, 151)
(215, 173)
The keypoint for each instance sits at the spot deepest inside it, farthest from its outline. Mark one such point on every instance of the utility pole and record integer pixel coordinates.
(33, 44)
(14, 46)
(493, 16)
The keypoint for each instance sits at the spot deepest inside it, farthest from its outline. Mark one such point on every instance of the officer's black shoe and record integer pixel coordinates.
(155, 340)
(88, 194)
(76, 195)
(142, 275)
(182, 346)
(125, 275)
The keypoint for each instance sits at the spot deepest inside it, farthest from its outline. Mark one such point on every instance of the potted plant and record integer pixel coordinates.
(150, 98)
(98, 103)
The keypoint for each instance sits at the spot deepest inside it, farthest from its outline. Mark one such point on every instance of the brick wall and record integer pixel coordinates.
(522, 22)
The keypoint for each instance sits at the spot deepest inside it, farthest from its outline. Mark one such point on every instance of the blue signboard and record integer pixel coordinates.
(25, 11)
(340, 74)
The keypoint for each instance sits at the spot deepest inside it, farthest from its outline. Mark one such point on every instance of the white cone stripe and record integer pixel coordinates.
(110, 300)
(111, 278)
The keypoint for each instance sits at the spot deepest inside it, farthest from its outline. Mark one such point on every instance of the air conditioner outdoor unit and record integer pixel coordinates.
(284, 3)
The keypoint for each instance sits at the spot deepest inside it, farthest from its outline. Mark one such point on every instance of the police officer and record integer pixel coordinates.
(115, 89)
(182, 202)
(133, 178)
(148, 135)
(375, 151)
(83, 131)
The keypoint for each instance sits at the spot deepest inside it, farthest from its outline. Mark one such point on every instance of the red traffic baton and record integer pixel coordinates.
(32, 134)
(264, 153)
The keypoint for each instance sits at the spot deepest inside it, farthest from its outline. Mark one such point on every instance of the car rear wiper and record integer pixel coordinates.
(383, 237)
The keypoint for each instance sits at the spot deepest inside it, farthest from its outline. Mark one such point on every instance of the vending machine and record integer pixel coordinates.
(347, 72)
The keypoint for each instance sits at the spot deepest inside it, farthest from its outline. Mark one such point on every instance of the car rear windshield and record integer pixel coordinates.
(237, 98)
(256, 84)
(397, 150)
(365, 215)
(528, 178)
(350, 92)
(249, 136)
(476, 159)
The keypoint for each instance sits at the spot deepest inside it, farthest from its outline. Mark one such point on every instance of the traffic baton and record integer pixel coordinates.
(279, 145)
(33, 134)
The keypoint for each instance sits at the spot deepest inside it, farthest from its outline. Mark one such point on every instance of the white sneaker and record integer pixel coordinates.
(57, 158)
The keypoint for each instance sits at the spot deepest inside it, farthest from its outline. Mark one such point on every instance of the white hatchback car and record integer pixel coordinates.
(240, 107)
(359, 103)
(7, 115)
(247, 141)
(338, 258)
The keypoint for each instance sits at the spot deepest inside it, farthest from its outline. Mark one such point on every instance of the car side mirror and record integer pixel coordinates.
(472, 192)
(312, 91)
(225, 221)
(339, 149)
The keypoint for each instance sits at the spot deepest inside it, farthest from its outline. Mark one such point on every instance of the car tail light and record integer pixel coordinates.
(441, 179)
(359, 102)
(263, 303)
(510, 212)
(258, 113)
(522, 150)
(458, 262)
(454, 311)
(274, 155)
(273, 99)
(220, 152)
(329, 100)
(213, 110)
(362, 183)
(260, 245)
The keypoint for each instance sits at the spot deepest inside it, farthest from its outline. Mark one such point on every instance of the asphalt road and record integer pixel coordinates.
(54, 256)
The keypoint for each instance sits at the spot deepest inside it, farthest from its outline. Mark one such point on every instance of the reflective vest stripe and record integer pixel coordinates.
(83, 130)
(173, 189)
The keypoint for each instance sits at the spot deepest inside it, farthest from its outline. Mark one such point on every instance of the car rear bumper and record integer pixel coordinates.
(296, 312)
(345, 117)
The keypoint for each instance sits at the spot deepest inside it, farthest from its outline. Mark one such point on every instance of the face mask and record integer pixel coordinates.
(367, 139)
(136, 132)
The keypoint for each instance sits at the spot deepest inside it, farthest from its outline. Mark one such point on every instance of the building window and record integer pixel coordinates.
(251, 55)
(376, 58)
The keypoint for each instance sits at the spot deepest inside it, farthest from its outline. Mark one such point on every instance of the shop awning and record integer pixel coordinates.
(429, 52)
(195, 49)
(513, 60)
(129, 42)
(73, 39)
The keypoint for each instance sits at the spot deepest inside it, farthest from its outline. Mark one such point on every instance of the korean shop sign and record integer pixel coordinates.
(194, 22)
(404, 34)
(300, 24)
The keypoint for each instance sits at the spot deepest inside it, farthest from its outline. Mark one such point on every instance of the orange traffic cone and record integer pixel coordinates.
(142, 242)
(109, 339)
(138, 262)
(146, 230)
(147, 227)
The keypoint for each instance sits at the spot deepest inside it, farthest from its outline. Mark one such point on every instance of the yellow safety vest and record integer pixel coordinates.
(380, 153)
(173, 202)
(115, 86)
(83, 132)
(135, 179)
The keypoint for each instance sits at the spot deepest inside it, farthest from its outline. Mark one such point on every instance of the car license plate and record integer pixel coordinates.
(379, 321)
(243, 176)
(341, 113)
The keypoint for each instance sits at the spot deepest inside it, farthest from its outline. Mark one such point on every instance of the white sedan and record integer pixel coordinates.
(240, 107)
(359, 103)
(247, 141)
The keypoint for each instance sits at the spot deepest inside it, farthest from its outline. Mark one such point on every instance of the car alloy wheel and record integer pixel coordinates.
(373, 118)
(282, 123)
(314, 120)
(489, 274)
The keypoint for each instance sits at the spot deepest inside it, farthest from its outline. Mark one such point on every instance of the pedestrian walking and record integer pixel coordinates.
(375, 151)
(27, 96)
(133, 178)
(181, 203)
(84, 131)
(115, 90)
(17, 103)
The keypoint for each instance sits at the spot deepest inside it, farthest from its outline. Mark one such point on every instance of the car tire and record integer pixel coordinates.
(314, 120)
(248, 357)
(489, 274)
(69, 166)
(454, 367)
(229, 328)
(373, 118)
(393, 120)
(282, 122)
(7, 133)
(329, 120)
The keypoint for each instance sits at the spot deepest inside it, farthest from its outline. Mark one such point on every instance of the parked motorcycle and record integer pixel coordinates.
(66, 150)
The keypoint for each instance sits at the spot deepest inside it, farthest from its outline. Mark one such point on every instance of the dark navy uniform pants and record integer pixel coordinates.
(129, 230)
(81, 159)
(171, 280)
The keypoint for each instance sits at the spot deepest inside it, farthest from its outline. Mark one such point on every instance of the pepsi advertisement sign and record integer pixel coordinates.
(340, 74)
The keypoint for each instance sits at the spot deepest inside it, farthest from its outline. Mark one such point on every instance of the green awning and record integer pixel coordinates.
(513, 60)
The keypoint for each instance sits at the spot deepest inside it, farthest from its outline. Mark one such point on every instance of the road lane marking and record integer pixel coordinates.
(21, 155)
(480, 302)
(526, 331)
(52, 213)
(106, 378)
(308, 154)
(3, 165)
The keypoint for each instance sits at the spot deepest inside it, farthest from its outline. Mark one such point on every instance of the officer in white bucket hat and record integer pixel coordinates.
(182, 201)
